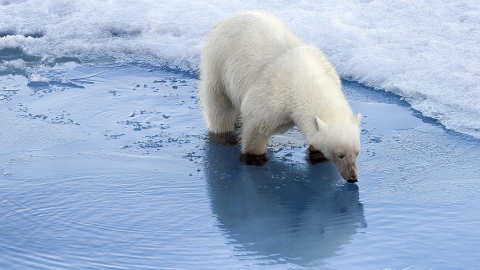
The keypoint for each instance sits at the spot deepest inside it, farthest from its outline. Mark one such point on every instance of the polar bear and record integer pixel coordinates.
(253, 69)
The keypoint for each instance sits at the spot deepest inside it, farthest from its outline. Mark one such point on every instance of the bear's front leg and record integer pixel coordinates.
(254, 146)
(257, 160)
(315, 156)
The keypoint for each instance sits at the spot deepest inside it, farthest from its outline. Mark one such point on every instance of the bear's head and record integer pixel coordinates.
(340, 142)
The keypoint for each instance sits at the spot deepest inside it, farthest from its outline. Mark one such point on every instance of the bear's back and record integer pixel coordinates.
(256, 35)
(239, 48)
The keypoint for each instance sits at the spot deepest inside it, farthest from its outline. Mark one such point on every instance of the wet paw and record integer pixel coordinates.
(257, 160)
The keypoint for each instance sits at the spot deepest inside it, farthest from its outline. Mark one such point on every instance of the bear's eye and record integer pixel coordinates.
(340, 155)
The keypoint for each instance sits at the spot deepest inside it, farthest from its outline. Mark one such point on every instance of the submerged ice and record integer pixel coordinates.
(426, 53)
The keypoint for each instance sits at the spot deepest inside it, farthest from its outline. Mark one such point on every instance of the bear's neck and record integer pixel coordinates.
(305, 120)
(308, 127)
(328, 103)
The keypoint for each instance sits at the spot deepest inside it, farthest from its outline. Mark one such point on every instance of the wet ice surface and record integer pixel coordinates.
(111, 167)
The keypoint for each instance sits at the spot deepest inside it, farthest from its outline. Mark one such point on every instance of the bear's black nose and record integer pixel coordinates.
(352, 180)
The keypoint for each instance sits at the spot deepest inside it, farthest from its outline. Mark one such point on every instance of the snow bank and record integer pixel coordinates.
(426, 52)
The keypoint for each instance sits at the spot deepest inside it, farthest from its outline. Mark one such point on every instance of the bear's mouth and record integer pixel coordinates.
(352, 180)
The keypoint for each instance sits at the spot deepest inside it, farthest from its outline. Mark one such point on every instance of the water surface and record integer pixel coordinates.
(111, 167)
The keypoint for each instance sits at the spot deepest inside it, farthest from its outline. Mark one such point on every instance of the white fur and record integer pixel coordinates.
(254, 68)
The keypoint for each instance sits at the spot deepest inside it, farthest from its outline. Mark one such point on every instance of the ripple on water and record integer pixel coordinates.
(101, 214)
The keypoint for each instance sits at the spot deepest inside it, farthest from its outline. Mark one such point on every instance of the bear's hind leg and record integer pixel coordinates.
(219, 112)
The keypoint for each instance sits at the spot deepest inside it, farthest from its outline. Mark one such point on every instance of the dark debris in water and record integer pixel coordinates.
(192, 156)
(159, 143)
(161, 140)
(62, 118)
(35, 116)
(138, 126)
(113, 136)
(114, 93)
(150, 144)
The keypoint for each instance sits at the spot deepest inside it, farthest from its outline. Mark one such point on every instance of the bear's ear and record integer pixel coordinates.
(320, 124)
(358, 118)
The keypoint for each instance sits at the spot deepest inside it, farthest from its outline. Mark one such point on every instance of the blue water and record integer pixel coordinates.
(111, 167)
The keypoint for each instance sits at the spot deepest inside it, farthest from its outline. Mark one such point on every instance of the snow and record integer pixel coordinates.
(425, 52)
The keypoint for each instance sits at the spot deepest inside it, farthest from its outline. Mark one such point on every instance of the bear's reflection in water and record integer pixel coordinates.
(280, 212)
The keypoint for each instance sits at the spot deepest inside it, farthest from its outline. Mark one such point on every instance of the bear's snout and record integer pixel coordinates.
(352, 180)
(349, 174)
(353, 176)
